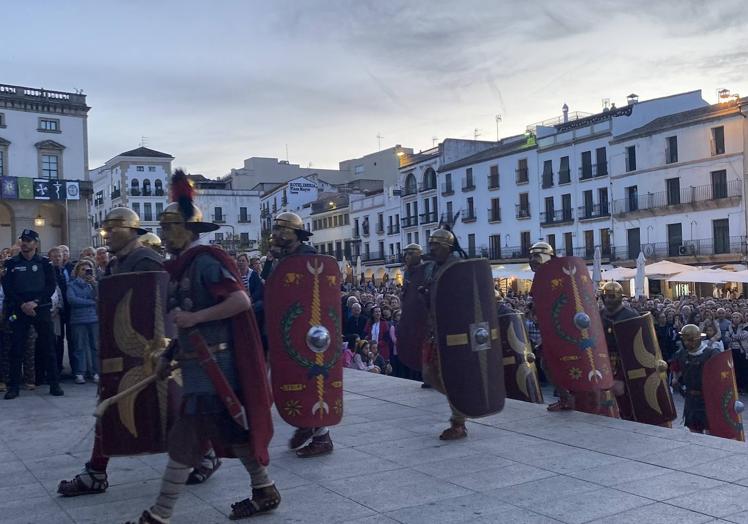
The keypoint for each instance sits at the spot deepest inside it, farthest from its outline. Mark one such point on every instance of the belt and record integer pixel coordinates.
(215, 348)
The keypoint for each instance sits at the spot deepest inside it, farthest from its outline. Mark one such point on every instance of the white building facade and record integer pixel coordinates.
(44, 166)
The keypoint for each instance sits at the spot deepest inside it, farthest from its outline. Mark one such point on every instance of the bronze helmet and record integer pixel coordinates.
(122, 217)
(413, 247)
(443, 237)
(151, 240)
(292, 221)
(542, 248)
(173, 214)
(612, 288)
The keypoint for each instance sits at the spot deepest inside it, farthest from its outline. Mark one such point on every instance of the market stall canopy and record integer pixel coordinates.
(705, 276)
(523, 273)
(664, 269)
(619, 273)
(739, 276)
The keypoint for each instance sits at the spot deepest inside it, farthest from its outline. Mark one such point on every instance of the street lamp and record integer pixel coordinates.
(39, 221)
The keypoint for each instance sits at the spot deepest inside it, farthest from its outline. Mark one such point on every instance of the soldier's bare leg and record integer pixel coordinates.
(457, 429)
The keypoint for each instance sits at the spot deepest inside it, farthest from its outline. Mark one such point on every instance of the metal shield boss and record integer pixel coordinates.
(723, 406)
(411, 330)
(644, 370)
(520, 371)
(573, 338)
(467, 335)
(132, 309)
(304, 324)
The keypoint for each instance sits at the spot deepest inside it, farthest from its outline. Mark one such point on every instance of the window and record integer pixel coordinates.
(243, 214)
(358, 170)
(673, 191)
(471, 245)
(2, 119)
(493, 177)
(147, 212)
(470, 209)
(50, 167)
(631, 158)
(494, 246)
(244, 239)
(136, 207)
(522, 173)
(632, 198)
(151, 169)
(450, 214)
(566, 206)
(602, 198)
(415, 237)
(447, 187)
(586, 167)
(564, 174)
(718, 140)
(589, 243)
(674, 239)
(146, 187)
(568, 244)
(468, 184)
(140, 169)
(548, 173)
(634, 243)
(719, 184)
(551, 239)
(588, 205)
(218, 214)
(2, 161)
(524, 206)
(347, 219)
(671, 150)
(49, 125)
(605, 241)
(601, 156)
(495, 211)
(548, 210)
(525, 242)
(721, 235)
(159, 187)
(159, 209)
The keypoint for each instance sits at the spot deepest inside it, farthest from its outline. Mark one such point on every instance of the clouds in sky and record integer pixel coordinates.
(216, 82)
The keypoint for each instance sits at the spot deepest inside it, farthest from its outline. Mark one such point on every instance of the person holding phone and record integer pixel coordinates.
(84, 321)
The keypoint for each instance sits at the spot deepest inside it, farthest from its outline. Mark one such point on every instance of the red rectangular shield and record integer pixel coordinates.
(721, 397)
(467, 334)
(304, 329)
(645, 371)
(131, 321)
(520, 373)
(410, 330)
(573, 338)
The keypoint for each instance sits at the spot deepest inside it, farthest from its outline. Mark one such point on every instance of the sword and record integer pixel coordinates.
(223, 388)
(106, 404)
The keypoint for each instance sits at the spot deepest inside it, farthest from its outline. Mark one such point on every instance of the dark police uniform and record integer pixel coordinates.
(24, 281)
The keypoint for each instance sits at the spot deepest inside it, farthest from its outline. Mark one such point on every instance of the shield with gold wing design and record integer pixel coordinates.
(411, 331)
(520, 373)
(574, 344)
(723, 406)
(132, 308)
(304, 330)
(644, 370)
(467, 335)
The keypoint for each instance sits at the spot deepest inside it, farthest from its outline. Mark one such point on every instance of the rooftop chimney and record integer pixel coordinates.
(565, 111)
(632, 99)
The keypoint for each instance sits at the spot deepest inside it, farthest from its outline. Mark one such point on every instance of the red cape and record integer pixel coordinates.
(250, 359)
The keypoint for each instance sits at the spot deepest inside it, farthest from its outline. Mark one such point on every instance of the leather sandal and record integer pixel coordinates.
(148, 518)
(300, 437)
(202, 473)
(321, 445)
(263, 500)
(454, 432)
(97, 483)
(560, 405)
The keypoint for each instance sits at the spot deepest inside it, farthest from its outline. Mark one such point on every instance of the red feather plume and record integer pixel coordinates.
(182, 193)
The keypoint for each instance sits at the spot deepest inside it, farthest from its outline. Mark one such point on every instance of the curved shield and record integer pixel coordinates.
(467, 334)
(520, 373)
(304, 330)
(410, 330)
(645, 371)
(573, 338)
(131, 325)
(723, 406)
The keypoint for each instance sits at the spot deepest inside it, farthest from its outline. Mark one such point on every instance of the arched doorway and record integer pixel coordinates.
(6, 225)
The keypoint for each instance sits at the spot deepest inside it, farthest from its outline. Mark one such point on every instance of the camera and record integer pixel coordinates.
(89, 271)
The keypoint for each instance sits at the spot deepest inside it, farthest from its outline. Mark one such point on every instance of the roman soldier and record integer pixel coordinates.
(444, 251)
(152, 241)
(288, 237)
(688, 372)
(226, 396)
(123, 234)
(615, 311)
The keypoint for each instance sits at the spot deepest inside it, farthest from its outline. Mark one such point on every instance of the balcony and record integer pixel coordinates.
(694, 198)
(521, 212)
(134, 191)
(468, 216)
(397, 258)
(468, 184)
(159, 192)
(365, 230)
(427, 186)
(564, 176)
(592, 212)
(493, 181)
(219, 219)
(447, 189)
(428, 218)
(356, 234)
(116, 193)
(409, 221)
(521, 175)
(508, 253)
(411, 189)
(494, 214)
(245, 219)
(380, 229)
(560, 216)
(372, 256)
(732, 248)
(147, 192)
(589, 171)
(393, 229)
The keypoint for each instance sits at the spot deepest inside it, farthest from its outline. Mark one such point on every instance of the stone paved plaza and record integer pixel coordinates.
(524, 465)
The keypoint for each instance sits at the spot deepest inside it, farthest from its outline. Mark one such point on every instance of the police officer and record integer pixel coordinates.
(29, 284)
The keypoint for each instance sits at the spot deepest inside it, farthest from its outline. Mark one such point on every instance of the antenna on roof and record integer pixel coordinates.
(379, 140)
(476, 133)
(286, 153)
(143, 141)
(434, 140)
(498, 119)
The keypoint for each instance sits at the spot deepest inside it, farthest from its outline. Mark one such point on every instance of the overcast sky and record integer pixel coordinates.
(215, 82)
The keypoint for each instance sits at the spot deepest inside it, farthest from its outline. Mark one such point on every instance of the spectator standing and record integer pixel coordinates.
(355, 326)
(102, 261)
(378, 332)
(84, 321)
(55, 257)
(29, 283)
(242, 262)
